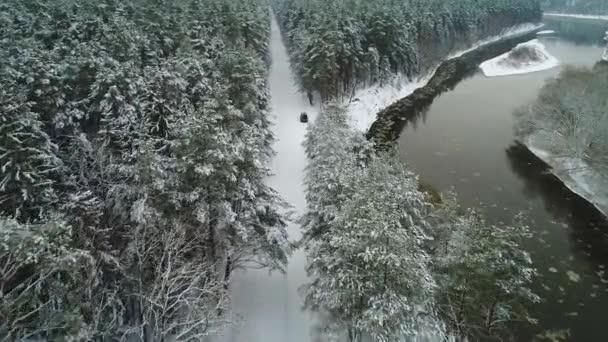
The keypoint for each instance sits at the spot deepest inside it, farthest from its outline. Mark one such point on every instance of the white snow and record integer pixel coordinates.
(270, 304)
(578, 16)
(545, 32)
(575, 173)
(507, 33)
(367, 102)
(505, 65)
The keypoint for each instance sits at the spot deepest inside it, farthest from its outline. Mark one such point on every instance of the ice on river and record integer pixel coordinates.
(525, 58)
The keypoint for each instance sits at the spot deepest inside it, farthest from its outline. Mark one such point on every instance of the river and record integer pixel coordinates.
(465, 141)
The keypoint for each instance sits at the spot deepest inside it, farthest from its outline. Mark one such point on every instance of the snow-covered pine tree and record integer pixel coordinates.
(365, 235)
(330, 148)
(484, 276)
(28, 161)
(370, 270)
(41, 280)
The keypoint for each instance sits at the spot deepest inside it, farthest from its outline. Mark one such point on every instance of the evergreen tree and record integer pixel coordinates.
(41, 280)
(365, 236)
(28, 160)
(484, 276)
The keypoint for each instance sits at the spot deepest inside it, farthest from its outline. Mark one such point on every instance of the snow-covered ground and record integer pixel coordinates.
(545, 32)
(578, 16)
(575, 173)
(507, 64)
(270, 305)
(369, 101)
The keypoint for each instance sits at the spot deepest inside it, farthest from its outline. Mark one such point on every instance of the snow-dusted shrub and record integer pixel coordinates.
(41, 277)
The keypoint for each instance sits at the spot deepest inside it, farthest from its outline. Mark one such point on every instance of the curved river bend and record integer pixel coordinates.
(465, 140)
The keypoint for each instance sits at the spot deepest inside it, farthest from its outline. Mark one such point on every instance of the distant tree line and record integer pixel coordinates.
(387, 263)
(595, 7)
(336, 46)
(134, 141)
(589, 32)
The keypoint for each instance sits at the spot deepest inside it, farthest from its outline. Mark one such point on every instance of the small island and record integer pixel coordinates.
(525, 58)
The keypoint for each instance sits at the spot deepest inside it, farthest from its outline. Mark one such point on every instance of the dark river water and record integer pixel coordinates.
(465, 141)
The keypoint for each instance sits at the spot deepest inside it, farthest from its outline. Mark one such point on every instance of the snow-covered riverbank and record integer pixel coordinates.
(270, 305)
(369, 101)
(575, 173)
(577, 16)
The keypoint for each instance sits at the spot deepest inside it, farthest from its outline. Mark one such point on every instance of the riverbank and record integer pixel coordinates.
(369, 101)
(390, 121)
(575, 173)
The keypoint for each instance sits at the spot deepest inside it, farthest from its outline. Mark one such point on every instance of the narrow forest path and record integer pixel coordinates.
(270, 305)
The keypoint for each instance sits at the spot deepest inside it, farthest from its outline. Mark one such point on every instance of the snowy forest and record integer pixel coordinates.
(337, 46)
(134, 140)
(578, 7)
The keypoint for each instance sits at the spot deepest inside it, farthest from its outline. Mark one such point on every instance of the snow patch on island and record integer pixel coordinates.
(574, 172)
(367, 102)
(525, 58)
(577, 16)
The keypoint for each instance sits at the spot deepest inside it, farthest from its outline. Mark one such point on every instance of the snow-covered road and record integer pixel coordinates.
(270, 305)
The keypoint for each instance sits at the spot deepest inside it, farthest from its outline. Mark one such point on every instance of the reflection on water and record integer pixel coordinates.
(588, 228)
(459, 141)
(587, 232)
